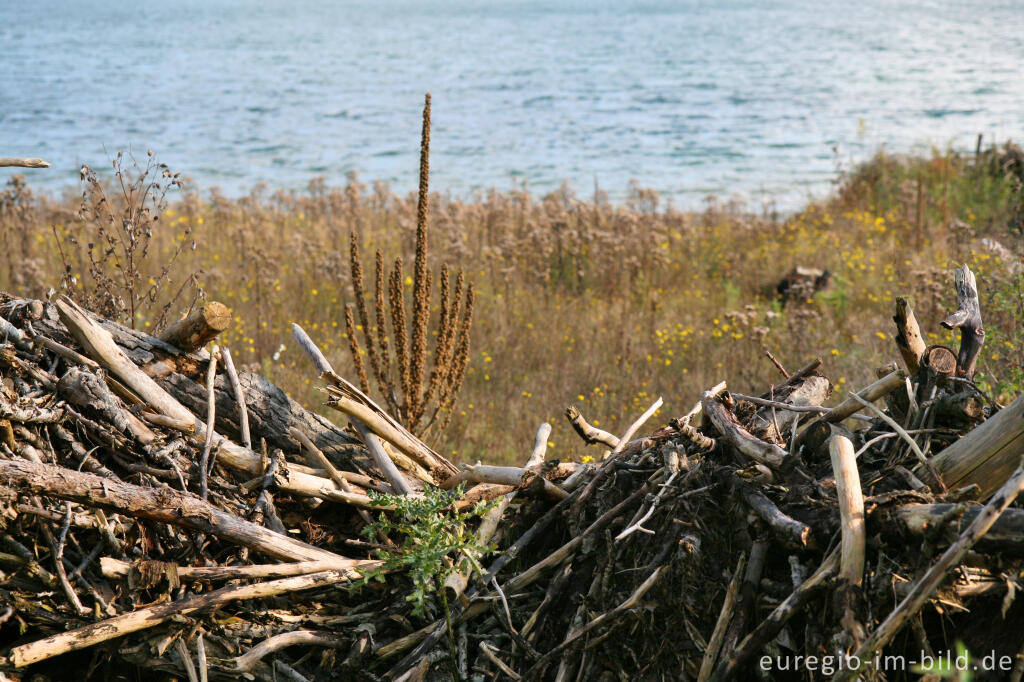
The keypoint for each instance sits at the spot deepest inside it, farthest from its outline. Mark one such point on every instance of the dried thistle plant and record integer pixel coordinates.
(122, 283)
(423, 404)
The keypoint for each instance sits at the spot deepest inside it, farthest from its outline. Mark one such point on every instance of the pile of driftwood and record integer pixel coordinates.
(163, 515)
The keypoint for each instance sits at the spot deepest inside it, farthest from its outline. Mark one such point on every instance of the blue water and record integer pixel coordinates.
(755, 99)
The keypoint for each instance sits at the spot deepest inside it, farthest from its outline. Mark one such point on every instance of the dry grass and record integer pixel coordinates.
(582, 301)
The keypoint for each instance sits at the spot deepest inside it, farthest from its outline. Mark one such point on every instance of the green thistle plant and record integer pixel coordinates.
(435, 541)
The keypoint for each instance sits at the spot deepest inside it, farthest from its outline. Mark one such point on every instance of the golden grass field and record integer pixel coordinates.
(578, 300)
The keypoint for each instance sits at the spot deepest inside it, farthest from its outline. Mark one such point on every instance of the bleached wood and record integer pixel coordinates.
(851, 509)
(17, 162)
(908, 335)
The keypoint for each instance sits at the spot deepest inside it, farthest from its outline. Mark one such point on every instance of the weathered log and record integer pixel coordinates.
(100, 344)
(908, 335)
(851, 510)
(987, 455)
(271, 412)
(156, 504)
(959, 409)
(202, 326)
(794, 533)
(810, 393)
(968, 319)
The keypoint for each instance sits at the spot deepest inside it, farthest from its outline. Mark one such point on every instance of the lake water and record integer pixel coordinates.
(755, 99)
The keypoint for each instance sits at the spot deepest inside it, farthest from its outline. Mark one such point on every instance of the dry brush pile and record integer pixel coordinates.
(160, 509)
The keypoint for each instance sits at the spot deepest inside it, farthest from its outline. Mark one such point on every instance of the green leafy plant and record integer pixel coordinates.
(435, 541)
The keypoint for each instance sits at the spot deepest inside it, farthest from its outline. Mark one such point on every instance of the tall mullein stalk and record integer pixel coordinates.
(450, 383)
(408, 392)
(440, 349)
(387, 382)
(364, 318)
(353, 346)
(421, 280)
(398, 324)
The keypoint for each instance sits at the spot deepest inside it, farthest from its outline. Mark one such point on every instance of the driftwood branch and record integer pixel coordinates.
(156, 504)
(908, 335)
(236, 387)
(116, 568)
(15, 162)
(967, 318)
(589, 433)
(249, 659)
(738, 437)
(851, 510)
(347, 398)
(150, 616)
(707, 664)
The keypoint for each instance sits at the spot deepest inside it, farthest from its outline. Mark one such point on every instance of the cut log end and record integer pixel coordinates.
(199, 328)
(940, 360)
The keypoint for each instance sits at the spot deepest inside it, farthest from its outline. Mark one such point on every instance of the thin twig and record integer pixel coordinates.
(211, 413)
(236, 386)
(635, 426)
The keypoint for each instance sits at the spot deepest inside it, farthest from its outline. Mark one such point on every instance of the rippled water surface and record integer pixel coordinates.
(729, 97)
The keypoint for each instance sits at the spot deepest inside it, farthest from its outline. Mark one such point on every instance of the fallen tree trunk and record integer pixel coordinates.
(271, 412)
